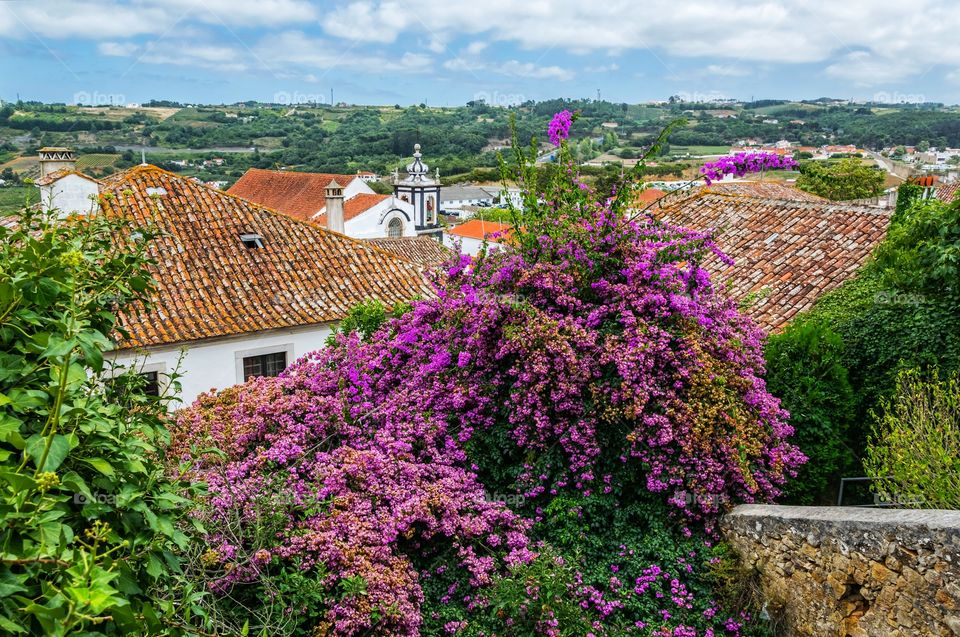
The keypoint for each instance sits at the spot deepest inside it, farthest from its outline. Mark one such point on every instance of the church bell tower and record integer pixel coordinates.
(422, 191)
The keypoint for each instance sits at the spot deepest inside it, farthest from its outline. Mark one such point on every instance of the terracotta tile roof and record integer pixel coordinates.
(353, 207)
(763, 189)
(63, 172)
(423, 251)
(297, 194)
(211, 285)
(479, 229)
(786, 253)
(948, 192)
(649, 195)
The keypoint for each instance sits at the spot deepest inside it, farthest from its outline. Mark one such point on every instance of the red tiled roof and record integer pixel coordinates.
(948, 192)
(787, 253)
(926, 180)
(423, 251)
(763, 189)
(63, 172)
(211, 285)
(354, 207)
(297, 194)
(479, 229)
(649, 195)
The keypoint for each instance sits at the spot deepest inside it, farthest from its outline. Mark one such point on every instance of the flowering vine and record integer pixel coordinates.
(592, 356)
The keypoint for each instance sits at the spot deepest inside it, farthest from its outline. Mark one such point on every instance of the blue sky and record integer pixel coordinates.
(446, 52)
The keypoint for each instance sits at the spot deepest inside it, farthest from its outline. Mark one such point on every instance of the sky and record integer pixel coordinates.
(448, 52)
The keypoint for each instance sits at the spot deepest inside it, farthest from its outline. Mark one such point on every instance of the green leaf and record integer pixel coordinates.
(18, 481)
(102, 466)
(59, 448)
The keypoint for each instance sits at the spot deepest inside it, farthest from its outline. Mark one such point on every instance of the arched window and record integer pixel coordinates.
(395, 228)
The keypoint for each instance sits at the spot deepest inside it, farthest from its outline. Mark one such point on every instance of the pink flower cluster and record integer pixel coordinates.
(740, 164)
(560, 127)
(593, 355)
(354, 503)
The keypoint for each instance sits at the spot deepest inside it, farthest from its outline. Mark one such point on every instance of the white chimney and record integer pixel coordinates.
(53, 159)
(335, 207)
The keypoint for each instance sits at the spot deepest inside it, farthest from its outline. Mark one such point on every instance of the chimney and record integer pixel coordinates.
(53, 159)
(335, 207)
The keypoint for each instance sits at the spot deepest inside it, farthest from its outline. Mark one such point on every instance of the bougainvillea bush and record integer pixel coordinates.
(542, 448)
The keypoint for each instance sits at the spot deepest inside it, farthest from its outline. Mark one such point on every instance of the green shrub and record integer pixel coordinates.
(805, 370)
(90, 522)
(914, 454)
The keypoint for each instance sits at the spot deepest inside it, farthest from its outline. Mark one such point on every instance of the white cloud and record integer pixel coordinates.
(476, 47)
(211, 56)
(512, 68)
(117, 49)
(725, 70)
(464, 65)
(244, 13)
(864, 68)
(60, 19)
(763, 31)
(297, 48)
(603, 68)
(534, 71)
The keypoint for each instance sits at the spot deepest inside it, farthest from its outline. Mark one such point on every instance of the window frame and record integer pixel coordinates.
(240, 355)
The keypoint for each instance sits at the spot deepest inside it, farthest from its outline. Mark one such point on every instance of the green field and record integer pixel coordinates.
(96, 161)
(12, 199)
(699, 150)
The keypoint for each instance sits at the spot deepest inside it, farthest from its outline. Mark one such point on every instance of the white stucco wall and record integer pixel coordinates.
(355, 187)
(217, 363)
(70, 194)
(467, 245)
(373, 223)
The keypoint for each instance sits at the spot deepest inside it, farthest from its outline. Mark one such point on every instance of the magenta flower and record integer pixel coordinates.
(560, 127)
(741, 164)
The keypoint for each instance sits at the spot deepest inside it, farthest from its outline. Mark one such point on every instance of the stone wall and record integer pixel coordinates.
(853, 572)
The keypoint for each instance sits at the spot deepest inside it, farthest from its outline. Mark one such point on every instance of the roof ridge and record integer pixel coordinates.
(272, 211)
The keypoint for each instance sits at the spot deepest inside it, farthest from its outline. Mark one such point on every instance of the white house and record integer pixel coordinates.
(409, 212)
(456, 196)
(242, 290)
(471, 235)
(62, 187)
(367, 176)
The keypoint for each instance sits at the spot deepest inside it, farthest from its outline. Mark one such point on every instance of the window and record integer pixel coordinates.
(395, 228)
(252, 240)
(152, 386)
(264, 365)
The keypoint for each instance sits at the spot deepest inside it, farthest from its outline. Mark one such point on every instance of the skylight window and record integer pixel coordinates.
(252, 240)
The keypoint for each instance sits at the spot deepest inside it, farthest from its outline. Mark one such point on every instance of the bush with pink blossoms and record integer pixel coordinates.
(590, 361)
(742, 164)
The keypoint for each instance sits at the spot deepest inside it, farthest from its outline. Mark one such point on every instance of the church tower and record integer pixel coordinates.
(423, 192)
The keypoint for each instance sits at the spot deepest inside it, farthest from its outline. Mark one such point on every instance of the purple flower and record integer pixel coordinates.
(560, 127)
(741, 164)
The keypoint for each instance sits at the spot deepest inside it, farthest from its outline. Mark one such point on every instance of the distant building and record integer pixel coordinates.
(62, 187)
(457, 196)
(365, 214)
(472, 235)
(422, 191)
(242, 290)
(367, 176)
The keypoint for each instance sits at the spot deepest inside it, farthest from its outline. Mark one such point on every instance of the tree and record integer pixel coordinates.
(89, 535)
(843, 180)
